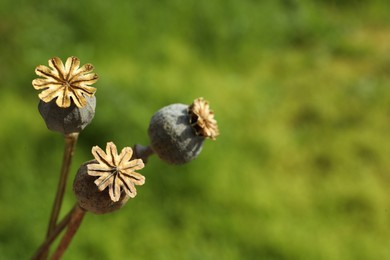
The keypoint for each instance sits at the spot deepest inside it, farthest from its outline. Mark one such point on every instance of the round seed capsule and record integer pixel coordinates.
(90, 198)
(67, 120)
(172, 137)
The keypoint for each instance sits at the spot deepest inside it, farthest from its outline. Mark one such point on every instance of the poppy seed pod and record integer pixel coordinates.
(67, 99)
(67, 120)
(172, 137)
(90, 198)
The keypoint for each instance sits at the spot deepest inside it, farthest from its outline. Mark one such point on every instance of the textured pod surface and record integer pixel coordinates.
(67, 120)
(90, 198)
(172, 137)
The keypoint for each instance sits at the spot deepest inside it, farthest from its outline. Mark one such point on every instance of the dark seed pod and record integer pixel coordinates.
(90, 198)
(172, 137)
(67, 120)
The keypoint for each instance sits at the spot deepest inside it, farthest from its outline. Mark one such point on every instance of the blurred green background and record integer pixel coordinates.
(301, 92)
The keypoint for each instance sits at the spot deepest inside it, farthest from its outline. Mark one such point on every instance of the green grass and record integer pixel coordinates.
(301, 92)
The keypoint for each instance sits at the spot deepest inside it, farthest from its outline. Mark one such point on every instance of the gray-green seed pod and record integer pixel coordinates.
(67, 120)
(90, 198)
(172, 137)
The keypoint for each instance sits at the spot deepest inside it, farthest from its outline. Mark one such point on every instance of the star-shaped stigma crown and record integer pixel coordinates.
(117, 172)
(65, 82)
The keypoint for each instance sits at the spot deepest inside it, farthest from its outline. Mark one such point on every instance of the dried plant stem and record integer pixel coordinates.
(69, 147)
(39, 254)
(75, 220)
(142, 152)
(70, 143)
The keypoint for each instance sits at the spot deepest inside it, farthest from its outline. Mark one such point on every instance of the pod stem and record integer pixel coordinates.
(70, 143)
(69, 148)
(76, 218)
(41, 252)
(142, 152)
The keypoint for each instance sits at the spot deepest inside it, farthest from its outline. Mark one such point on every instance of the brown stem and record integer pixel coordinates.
(70, 144)
(42, 250)
(74, 223)
(142, 152)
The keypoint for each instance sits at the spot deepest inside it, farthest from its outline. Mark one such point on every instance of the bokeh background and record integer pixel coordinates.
(301, 92)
